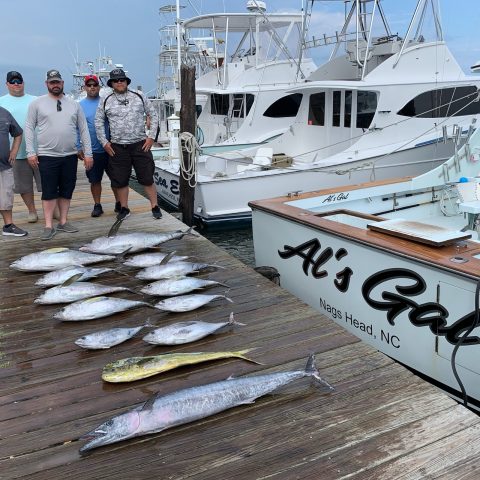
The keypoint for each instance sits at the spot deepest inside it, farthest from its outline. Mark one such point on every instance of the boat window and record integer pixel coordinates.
(444, 102)
(336, 106)
(219, 104)
(284, 107)
(250, 98)
(316, 111)
(366, 107)
(198, 109)
(242, 104)
(347, 118)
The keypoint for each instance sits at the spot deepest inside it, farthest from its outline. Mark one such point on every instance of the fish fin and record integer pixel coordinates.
(312, 371)
(247, 402)
(226, 298)
(114, 229)
(149, 403)
(231, 377)
(241, 354)
(231, 321)
(148, 323)
(121, 256)
(72, 279)
(167, 258)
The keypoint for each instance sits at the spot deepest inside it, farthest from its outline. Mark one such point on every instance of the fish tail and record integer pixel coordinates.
(232, 321)
(241, 354)
(227, 298)
(312, 371)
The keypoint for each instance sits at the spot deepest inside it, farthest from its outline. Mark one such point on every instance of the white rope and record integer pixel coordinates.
(190, 146)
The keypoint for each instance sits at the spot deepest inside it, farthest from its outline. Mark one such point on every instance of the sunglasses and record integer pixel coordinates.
(15, 82)
(91, 85)
(119, 80)
(54, 82)
(59, 106)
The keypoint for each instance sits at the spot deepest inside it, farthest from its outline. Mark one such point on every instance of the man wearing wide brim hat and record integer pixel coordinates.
(129, 146)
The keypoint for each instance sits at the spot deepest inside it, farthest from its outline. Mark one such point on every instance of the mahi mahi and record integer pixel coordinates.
(96, 307)
(178, 286)
(136, 368)
(173, 269)
(107, 338)
(132, 242)
(76, 291)
(55, 259)
(187, 303)
(186, 332)
(187, 405)
(58, 277)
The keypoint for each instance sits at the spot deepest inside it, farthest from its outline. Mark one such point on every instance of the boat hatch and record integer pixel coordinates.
(350, 217)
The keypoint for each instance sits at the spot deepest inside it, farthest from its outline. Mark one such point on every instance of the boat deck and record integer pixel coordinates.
(380, 422)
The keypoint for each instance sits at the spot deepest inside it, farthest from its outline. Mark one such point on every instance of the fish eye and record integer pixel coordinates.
(109, 423)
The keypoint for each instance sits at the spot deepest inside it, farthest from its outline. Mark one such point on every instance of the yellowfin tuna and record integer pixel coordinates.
(136, 368)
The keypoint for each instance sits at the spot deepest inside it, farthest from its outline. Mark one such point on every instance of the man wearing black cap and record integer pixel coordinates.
(55, 119)
(16, 102)
(130, 146)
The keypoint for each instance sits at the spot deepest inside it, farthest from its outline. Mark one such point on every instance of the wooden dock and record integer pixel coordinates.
(381, 422)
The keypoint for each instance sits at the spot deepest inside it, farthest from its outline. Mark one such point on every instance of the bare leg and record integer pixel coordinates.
(7, 216)
(96, 189)
(122, 196)
(29, 202)
(48, 208)
(115, 194)
(151, 192)
(63, 206)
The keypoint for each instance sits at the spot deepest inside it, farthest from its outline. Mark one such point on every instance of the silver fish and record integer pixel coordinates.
(147, 259)
(96, 307)
(55, 259)
(178, 286)
(186, 332)
(184, 406)
(76, 291)
(159, 272)
(58, 277)
(186, 303)
(132, 242)
(107, 338)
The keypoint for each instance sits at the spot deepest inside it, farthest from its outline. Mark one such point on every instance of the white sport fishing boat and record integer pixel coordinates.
(379, 110)
(397, 263)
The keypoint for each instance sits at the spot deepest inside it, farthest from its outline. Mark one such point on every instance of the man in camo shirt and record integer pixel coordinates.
(129, 145)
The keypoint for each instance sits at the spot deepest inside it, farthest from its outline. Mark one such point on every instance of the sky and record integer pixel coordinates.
(36, 36)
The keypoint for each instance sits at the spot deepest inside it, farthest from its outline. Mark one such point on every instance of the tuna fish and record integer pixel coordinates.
(147, 259)
(76, 291)
(178, 286)
(173, 269)
(136, 368)
(186, 332)
(55, 259)
(107, 338)
(132, 242)
(184, 406)
(58, 277)
(187, 303)
(96, 307)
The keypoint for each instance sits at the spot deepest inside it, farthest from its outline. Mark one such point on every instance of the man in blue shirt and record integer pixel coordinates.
(100, 157)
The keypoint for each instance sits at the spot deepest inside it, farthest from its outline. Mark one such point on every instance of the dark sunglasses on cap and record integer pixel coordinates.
(59, 106)
(15, 81)
(119, 80)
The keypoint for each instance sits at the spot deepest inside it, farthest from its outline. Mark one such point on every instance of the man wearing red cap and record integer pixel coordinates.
(100, 157)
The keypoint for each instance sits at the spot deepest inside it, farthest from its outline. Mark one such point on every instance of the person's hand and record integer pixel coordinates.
(11, 158)
(88, 162)
(109, 149)
(80, 155)
(33, 161)
(147, 145)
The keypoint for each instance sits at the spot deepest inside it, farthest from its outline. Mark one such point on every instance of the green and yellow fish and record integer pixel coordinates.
(136, 368)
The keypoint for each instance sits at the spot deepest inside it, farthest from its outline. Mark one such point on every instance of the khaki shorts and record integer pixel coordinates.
(6, 189)
(23, 175)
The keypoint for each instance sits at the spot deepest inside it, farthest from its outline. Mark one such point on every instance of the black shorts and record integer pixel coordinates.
(100, 162)
(59, 176)
(119, 166)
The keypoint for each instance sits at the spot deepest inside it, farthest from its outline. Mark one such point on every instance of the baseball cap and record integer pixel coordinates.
(53, 75)
(13, 74)
(92, 78)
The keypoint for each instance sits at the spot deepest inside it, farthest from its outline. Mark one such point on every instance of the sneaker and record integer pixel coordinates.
(14, 231)
(156, 212)
(123, 214)
(32, 217)
(118, 207)
(97, 210)
(66, 227)
(48, 234)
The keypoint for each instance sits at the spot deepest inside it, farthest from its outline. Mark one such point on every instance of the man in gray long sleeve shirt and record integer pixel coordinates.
(56, 118)
(129, 146)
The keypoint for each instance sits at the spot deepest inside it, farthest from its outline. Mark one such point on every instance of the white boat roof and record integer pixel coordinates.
(239, 22)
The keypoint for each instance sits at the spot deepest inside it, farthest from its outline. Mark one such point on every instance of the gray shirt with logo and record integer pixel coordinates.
(8, 127)
(126, 117)
(56, 127)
